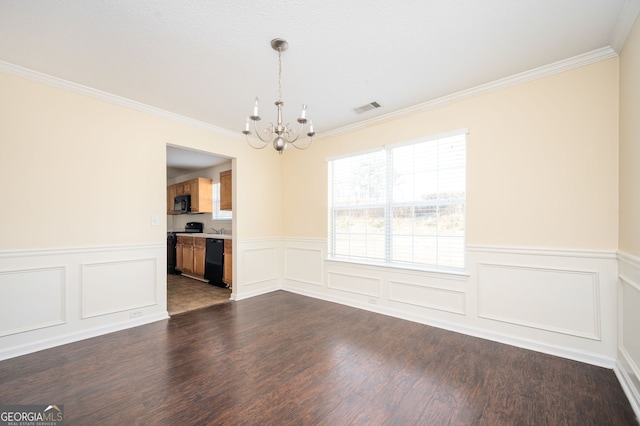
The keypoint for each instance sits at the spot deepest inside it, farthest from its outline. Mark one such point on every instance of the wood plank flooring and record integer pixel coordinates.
(285, 359)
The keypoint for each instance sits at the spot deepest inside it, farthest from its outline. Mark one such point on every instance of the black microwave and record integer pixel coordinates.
(182, 204)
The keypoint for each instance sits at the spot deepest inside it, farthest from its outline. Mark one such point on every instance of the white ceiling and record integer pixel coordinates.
(208, 60)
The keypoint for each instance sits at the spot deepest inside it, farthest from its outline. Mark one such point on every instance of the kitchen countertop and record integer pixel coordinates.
(204, 235)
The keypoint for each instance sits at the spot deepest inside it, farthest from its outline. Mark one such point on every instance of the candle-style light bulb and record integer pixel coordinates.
(246, 126)
(304, 111)
(255, 108)
(310, 126)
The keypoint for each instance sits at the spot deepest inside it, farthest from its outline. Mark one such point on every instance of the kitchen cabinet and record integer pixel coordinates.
(227, 275)
(182, 189)
(225, 191)
(199, 246)
(190, 256)
(185, 262)
(200, 191)
(201, 195)
(171, 195)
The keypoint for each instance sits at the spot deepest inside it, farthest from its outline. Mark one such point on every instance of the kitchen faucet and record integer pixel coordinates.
(218, 231)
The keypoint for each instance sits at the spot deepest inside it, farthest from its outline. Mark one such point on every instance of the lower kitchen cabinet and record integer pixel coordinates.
(190, 254)
(227, 276)
(186, 263)
(199, 246)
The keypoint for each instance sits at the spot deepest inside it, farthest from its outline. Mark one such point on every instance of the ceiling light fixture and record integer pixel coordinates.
(279, 135)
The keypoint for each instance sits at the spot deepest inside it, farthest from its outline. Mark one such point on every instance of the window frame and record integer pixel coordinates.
(388, 205)
(217, 213)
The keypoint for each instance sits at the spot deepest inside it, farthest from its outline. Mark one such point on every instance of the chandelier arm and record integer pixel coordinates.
(255, 128)
(251, 144)
(298, 133)
(302, 148)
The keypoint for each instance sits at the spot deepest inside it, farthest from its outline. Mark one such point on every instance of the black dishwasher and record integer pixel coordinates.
(214, 261)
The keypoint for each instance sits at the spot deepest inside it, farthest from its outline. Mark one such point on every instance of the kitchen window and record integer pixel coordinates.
(217, 213)
(402, 204)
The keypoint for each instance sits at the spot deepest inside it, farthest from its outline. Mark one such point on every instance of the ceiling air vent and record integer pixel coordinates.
(366, 107)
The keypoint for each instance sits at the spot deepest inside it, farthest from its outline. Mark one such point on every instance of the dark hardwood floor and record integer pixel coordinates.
(285, 359)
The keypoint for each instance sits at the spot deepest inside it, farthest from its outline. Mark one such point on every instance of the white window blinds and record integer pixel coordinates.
(404, 204)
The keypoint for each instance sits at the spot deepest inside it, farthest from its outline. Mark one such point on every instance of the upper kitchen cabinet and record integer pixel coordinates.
(200, 190)
(225, 191)
(172, 192)
(201, 195)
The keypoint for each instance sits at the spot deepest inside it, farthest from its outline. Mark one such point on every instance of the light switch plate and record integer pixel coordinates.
(155, 220)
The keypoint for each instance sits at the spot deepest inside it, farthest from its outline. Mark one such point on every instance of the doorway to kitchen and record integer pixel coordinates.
(188, 286)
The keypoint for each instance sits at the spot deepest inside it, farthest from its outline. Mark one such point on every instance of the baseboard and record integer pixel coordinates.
(628, 386)
(80, 335)
(251, 294)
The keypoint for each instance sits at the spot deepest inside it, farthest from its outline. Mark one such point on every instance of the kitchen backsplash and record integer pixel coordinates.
(176, 223)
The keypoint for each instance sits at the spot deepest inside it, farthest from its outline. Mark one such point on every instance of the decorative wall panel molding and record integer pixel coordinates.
(31, 299)
(366, 286)
(104, 284)
(432, 297)
(303, 265)
(260, 265)
(557, 300)
(50, 297)
(628, 365)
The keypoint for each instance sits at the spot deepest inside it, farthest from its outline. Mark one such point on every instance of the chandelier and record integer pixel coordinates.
(279, 135)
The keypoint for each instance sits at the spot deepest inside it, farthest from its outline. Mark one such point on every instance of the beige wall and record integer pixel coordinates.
(77, 171)
(542, 162)
(630, 144)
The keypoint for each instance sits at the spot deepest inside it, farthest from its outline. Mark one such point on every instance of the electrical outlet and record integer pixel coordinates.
(135, 314)
(373, 301)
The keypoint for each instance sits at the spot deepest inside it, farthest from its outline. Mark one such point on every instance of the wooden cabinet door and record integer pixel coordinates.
(225, 190)
(227, 276)
(187, 259)
(171, 195)
(191, 188)
(199, 246)
(187, 254)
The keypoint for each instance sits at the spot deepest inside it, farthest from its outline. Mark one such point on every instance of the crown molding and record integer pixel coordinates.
(624, 26)
(534, 74)
(39, 77)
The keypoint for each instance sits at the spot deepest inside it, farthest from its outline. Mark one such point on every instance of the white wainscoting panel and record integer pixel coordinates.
(557, 300)
(628, 365)
(303, 265)
(366, 286)
(428, 296)
(264, 265)
(31, 299)
(50, 297)
(104, 284)
(258, 267)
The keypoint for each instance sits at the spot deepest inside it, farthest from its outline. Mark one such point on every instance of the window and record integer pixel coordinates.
(217, 213)
(403, 204)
